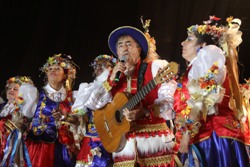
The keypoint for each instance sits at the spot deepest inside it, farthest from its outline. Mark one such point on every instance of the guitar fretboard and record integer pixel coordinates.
(138, 97)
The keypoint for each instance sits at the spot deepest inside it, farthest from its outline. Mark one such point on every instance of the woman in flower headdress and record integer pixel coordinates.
(15, 116)
(207, 126)
(92, 152)
(50, 141)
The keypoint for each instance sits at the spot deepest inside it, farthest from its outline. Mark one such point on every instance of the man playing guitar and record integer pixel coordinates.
(149, 142)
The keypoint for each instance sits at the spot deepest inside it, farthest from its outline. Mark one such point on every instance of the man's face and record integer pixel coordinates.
(128, 47)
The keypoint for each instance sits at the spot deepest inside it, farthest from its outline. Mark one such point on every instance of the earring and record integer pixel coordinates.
(198, 49)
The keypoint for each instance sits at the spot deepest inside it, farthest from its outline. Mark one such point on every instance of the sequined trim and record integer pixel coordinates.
(157, 161)
(151, 128)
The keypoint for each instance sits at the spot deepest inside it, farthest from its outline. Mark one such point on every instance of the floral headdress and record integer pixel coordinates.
(210, 27)
(111, 59)
(65, 61)
(221, 34)
(19, 80)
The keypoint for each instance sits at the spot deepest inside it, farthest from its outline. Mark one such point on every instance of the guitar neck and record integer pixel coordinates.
(140, 95)
(163, 75)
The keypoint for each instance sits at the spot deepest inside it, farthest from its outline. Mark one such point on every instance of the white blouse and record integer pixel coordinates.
(201, 64)
(92, 95)
(166, 92)
(204, 60)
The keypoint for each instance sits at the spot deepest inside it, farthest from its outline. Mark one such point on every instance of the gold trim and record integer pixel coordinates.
(223, 137)
(151, 128)
(156, 161)
(129, 163)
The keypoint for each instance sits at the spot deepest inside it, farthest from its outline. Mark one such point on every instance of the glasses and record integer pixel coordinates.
(99, 66)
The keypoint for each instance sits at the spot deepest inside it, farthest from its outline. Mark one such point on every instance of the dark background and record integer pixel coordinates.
(33, 30)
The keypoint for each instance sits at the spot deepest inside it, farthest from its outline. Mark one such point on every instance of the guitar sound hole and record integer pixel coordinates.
(118, 116)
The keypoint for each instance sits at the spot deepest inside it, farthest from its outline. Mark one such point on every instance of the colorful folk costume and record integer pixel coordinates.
(149, 142)
(51, 143)
(92, 152)
(14, 121)
(217, 139)
(151, 129)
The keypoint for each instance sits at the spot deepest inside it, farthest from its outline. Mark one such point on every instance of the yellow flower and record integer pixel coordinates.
(209, 88)
(43, 104)
(50, 60)
(63, 64)
(199, 29)
(58, 55)
(186, 111)
(216, 71)
(229, 19)
(202, 29)
(13, 79)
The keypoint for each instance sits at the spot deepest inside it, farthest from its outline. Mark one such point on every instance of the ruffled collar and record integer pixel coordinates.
(55, 95)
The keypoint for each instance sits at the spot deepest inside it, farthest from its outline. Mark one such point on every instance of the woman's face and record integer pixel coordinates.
(12, 91)
(55, 74)
(100, 66)
(72, 72)
(190, 47)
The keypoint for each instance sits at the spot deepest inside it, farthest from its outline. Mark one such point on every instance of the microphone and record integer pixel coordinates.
(118, 74)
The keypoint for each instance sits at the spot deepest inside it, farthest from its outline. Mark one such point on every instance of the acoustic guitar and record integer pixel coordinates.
(111, 124)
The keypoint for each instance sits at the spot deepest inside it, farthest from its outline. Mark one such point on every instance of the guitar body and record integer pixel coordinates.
(110, 129)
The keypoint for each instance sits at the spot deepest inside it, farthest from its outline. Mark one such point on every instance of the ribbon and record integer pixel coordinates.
(193, 150)
(14, 143)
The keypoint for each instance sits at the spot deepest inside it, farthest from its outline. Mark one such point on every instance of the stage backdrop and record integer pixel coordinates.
(32, 30)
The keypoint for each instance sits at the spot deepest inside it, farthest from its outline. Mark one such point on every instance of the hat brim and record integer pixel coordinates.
(131, 31)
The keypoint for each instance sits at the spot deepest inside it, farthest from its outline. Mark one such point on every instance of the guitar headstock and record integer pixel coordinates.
(167, 73)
